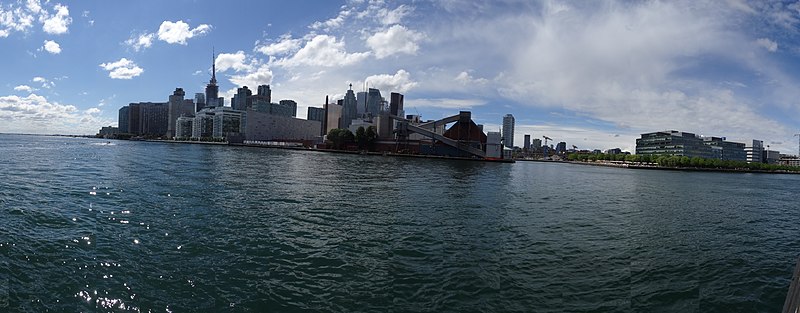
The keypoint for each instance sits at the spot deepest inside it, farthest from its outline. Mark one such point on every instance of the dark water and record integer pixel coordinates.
(134, 226)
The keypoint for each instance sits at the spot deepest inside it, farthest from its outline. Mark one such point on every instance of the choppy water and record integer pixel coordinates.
(133, 226)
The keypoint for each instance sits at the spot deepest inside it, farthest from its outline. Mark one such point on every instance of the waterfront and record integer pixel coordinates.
(154, 226)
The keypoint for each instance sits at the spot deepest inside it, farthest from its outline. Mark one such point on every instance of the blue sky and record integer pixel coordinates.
(592, 73)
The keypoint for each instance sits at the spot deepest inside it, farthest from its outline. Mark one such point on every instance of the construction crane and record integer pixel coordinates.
(546, 139)
(574, 148)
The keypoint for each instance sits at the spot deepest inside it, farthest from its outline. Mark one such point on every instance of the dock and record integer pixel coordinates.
(792, 303)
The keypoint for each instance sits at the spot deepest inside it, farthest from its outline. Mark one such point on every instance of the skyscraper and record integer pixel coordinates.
(200, 101)
(212, 90)
(508, 131)
(263, 92)
(527, 142)
(374, 100)
(176, 106)
(242, 100)
(396, 104)
(124, 113)
(349, 110)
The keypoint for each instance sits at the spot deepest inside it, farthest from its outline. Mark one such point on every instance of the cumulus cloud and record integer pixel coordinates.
(36, 114)
(52, 47)
(323, 50)
(285, 45)
(466, 78)
(57, 23)
(140, 42)
(260, 76)
(122, 69)
(25, 88)
(396, 39)
(178, 32)
(395, 16)
(235, 61)
(768, 44)
(45, 83)
(399, 82)
(333, 23)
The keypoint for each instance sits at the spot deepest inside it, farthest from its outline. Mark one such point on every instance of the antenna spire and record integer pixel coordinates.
(213, 66)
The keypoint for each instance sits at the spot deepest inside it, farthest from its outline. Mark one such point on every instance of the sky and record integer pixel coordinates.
(595, 74)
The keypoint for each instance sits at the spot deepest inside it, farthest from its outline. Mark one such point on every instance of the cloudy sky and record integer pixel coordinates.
(592, 73)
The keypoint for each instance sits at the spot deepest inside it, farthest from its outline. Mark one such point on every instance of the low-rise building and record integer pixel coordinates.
(262, 126)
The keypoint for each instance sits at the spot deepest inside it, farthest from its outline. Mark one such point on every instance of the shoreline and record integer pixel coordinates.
(389, 154)
(666, 168)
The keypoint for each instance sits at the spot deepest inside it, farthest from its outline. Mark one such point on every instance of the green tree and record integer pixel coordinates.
(361, 137)
(371, 137)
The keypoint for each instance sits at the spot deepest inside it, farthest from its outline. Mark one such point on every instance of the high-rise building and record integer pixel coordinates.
(349, 110)
(178, 106)
(333, 116)
(122, 123)
(289, 105)
(152, 118)
(374, 102)
(536, 143)
(212, 90)
(561, 147)
(361, 103)
(242, 100)
(396, 104)
(263, 92)
(316, 114)
(527, 143)
(200, 101)
(508, 131)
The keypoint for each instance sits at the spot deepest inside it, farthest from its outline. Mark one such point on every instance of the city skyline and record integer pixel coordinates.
(595, 75)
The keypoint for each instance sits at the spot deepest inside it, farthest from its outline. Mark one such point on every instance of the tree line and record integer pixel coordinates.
(364, 138)
(680, 161)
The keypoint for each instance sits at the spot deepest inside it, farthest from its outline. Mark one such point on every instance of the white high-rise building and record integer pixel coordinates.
(508, 131)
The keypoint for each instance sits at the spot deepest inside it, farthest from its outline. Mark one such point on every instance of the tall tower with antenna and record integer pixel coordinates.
(212, 90)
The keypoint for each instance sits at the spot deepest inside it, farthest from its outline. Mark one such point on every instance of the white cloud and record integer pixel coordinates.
(768, 44)
(92, 111)
(35, 114)
(24, 88)
(140, 42)
(122, 69)
(466, 78)
(260, 76)
(285, 45)
(45, 83)
(399, 82)
(235, 61)
(178, 32)
(389, 17)
(323, 50)
(395, 39)
(52, 47)
(57, 23)
(333, 23)
(443, 103)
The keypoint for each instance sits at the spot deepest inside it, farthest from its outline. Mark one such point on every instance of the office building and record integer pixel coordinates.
(199, 101)
(242, 100)
(228, 122)
(153, 119)
(349, 108)
(508, 131)
(178, 106)
(396, 104)
(374, 102)
(263, 92)
(290, 106)
(333, 117)
(754, 153)
(527, 142)
(536, 143)
(561, 147)
(726, 150)
(203, 125)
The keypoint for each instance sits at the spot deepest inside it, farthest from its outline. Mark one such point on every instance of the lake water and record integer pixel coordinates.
(88, 225)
